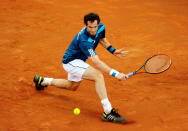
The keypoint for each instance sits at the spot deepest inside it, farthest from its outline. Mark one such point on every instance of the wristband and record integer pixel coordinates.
(114, 73)
(111, 49)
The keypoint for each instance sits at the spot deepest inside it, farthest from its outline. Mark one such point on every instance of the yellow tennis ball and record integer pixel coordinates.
(76, 111)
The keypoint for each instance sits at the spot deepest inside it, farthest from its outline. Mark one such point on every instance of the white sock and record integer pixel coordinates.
(47, 81)
(106, 105)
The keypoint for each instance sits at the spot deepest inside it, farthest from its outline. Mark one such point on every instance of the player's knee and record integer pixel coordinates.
(98, 75)
(74, 86)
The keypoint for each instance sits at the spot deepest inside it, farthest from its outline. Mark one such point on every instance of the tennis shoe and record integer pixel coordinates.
(38, 80)
(113, 116)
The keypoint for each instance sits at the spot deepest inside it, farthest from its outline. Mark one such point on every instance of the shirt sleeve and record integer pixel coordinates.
(103, 33)
(87, 48)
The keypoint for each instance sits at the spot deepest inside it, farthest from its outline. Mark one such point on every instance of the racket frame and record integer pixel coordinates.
(144, 65)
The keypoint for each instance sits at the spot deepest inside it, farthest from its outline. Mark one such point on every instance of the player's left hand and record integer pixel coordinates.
(120, 52)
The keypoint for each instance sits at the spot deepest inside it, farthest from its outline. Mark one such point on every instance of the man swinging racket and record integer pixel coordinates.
(74, 62)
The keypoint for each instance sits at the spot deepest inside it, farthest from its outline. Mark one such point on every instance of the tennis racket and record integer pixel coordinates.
(154, 65)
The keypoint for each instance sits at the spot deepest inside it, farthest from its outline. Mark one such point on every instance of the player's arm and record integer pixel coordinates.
(105, 68)
(106, 44)
(86, 48)
(100, 64)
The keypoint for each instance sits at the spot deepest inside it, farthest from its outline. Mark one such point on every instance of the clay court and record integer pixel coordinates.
(34, 36)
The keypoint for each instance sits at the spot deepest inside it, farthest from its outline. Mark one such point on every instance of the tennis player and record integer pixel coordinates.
(74, 62)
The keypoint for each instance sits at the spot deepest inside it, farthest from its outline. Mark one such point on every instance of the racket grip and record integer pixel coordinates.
(130, 74)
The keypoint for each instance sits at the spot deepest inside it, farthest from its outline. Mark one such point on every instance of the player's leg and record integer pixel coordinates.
(42, 82)
(109, 113)
(95, 75)
(75, 70)
(65, 84)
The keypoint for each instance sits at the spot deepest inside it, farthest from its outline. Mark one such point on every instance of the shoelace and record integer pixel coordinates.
(114, 112)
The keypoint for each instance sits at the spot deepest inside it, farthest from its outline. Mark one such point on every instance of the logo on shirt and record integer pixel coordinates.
(91, 52)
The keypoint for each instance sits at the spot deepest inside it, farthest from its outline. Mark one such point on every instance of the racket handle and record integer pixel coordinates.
(130, 74)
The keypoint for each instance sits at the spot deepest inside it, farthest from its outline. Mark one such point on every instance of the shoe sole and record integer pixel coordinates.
(122, 121)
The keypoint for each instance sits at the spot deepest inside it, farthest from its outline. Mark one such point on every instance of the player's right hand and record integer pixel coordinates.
(121, 76)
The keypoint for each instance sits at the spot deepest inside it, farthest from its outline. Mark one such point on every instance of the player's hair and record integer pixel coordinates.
(91, 17)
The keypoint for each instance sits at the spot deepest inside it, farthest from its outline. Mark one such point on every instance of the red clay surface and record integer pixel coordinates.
(34, 36)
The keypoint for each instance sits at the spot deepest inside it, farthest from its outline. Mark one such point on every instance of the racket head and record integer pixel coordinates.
(157, 64)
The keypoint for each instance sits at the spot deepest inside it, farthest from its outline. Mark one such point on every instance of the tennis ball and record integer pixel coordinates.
(76, 111)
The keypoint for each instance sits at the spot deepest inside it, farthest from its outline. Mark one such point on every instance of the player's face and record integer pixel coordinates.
(92, 27)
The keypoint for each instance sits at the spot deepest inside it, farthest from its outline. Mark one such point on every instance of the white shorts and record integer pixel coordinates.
(75, 69)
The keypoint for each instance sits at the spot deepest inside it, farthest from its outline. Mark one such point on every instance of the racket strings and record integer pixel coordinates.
(157, 64)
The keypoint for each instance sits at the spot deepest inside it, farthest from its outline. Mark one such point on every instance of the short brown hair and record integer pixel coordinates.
(91, 17)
